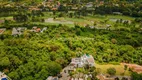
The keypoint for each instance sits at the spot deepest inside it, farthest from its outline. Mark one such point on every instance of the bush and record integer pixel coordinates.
(111, 71)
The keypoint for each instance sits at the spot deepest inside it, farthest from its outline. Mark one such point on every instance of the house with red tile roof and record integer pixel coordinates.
(35, 29)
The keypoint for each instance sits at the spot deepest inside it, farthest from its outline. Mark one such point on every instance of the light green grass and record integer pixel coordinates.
(70, 25)
(119, 68)
(9, 17)
(120, 17)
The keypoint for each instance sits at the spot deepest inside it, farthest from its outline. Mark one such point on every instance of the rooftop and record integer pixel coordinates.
(134, 67)
(2, 30)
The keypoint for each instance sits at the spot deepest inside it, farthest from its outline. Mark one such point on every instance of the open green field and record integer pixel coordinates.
(88, 20)
(119, 68)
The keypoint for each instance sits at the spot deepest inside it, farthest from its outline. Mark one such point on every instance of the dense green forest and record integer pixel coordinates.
(36, 56)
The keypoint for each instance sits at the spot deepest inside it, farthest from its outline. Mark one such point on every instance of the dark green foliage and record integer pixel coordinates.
(111, 71)
(136, 76)
(124, 78)
(53, 68)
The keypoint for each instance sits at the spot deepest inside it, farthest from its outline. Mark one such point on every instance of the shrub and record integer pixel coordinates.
(111, 71)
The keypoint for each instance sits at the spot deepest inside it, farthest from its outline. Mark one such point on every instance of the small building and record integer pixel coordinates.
(77, 62)
(3, 76)
(18, 31)
(83, 60)
(2, 30)
(35, 29)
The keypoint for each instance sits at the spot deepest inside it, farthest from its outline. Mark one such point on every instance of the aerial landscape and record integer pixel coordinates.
(70, 39)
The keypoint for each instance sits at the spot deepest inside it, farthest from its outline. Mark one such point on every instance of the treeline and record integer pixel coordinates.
(129, 9)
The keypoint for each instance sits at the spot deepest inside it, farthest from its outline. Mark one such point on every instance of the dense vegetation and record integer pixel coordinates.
(35, 56)
(31, 55)
(136, 76)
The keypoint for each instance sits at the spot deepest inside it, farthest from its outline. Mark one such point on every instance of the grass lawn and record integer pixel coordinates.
(70, 25)
(119, 68)
(81, 21)
(10, 17)
(120, 17)
(8, 32)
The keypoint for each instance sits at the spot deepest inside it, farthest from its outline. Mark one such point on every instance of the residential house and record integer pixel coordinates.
(75, 63)
(83, 60)
(3, 76)
(35, 29)
(2, 30)
(18, 31)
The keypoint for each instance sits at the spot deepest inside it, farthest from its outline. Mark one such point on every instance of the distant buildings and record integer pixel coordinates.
(36, 29)
(18, 31)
